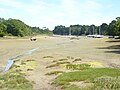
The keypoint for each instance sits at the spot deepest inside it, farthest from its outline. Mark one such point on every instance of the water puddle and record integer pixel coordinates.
(9, 64)
(13, 59)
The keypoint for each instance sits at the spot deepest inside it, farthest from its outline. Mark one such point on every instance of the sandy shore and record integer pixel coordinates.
(103, 50)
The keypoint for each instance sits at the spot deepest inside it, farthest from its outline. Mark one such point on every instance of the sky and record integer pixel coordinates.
(50, 13)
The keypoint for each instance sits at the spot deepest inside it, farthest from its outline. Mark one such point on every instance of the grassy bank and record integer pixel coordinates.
(15, 78)
(99, 78)
(14, 81)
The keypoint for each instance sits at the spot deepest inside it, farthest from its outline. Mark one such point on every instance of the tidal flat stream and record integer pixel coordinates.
(13, 59)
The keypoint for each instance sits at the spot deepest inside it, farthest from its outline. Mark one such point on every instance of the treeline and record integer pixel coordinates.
(15, 27)
(113, 29)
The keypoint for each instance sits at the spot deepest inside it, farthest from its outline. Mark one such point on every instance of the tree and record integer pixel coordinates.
(118, 25)
(17, 27)
(112, 29)
(85, 29)
(2, 29)
(76, 29)
(2, 19)
(92, 29)
(104, 29)
(60, 30)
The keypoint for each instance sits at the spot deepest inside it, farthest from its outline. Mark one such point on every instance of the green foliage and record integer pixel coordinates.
(16, 27)
(62, 59)
(86, 75)
(112, 29)
(54, 73)
(2, 34)
(107, 83)
(52, 65)
(14, 81)
(37, 30)
(15, 78)
(2, 29)
(69, 57)
(104, 83)
(65, 62)
(57, 64)
(72, 87)
(77, 66)
(75, 30)
(100, 79)
(78, 59)
(48, 57)
(118, 25)
(61, 30)
(104, 29)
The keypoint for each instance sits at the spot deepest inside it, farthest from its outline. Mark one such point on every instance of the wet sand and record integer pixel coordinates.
(103, 50)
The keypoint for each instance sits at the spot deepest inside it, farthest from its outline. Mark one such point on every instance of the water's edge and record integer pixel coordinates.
(13, 59)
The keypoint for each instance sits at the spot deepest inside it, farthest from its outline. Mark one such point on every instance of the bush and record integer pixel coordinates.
(2, 34)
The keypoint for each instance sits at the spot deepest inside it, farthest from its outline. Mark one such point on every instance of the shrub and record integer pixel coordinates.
(2, 34)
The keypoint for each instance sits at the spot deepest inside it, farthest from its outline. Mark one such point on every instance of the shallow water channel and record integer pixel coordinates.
(13, 59)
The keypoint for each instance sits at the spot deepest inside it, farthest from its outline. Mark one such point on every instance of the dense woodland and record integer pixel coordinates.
(15, 27)
(113, 29)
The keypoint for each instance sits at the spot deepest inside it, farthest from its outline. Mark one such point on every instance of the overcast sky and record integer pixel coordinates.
(49, 13)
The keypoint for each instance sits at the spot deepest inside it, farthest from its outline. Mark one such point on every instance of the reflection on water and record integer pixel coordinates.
(11, 60)
(9, 64)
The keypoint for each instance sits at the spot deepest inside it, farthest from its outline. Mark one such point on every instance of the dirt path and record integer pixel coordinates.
(87, 49)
